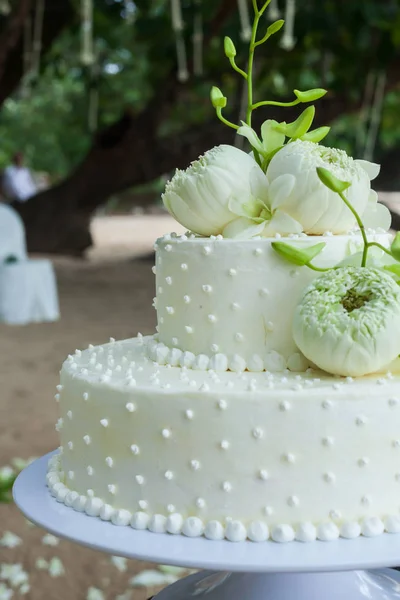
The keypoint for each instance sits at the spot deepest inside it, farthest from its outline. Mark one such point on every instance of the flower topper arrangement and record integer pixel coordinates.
(275, 189)
(348, 320)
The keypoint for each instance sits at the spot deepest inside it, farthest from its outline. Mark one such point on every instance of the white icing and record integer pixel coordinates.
(214, 530)
(392, 524)
(327, 532)
(235, 531)
(350, 530)
(193, 527)
(94, 506)
(174, 523)
(158, 524)
(372, 526)
(306, 532)
(258, 531)
(283, 533)
(121, 517)
(140, 520)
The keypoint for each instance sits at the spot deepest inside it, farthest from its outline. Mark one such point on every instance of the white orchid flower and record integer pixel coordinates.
(261, 215)
(311, 203)
(348, 321)
(199, 197)
(270, 138)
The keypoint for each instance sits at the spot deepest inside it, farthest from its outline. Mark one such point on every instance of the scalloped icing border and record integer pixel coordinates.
(233, 531)
(162, 354)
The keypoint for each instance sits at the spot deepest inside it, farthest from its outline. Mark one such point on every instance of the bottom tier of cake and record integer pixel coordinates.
(262, 456)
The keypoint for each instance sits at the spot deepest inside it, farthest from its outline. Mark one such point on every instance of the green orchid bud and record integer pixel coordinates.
(316, 135)
(395, 247)
(334, 184)
(274, 28)
(310, 95)
(297, 256)
(300, 126)
(229, 47)
(218, 100)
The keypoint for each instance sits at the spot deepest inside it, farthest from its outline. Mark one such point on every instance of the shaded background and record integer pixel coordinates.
(104, 112)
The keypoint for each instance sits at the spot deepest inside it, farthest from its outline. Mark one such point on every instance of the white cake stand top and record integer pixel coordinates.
(34, 500)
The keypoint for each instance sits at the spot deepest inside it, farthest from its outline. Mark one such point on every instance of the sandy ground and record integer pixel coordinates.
(108, 295)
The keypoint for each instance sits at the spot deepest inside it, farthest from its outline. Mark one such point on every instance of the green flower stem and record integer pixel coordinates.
(275, 103)
(361, 226)
(250, 65)
(319, 269)
(225, 121)
(257, 15)
(381, 248)
(237, 69)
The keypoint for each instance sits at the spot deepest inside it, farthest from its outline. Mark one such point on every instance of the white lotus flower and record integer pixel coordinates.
(198, 198)
(348, 321)
(261, 214)
(312, 204)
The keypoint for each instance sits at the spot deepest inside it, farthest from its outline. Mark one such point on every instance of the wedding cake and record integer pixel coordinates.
(267, 405)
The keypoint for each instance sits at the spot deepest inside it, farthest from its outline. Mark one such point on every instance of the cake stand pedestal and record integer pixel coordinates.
(340, 570)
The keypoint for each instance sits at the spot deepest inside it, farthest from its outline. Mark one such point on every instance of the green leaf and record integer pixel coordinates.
(229, 47)
(332, 182)
(395, 269)
(316, 135)
(218, 100)
(295, 255)
(395, 247)
(310, 95)
(300, 126)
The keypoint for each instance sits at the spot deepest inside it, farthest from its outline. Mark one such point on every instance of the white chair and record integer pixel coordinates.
(12, 234)
(28, 288)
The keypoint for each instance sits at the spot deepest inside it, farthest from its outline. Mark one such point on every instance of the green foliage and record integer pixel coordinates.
(338, 44)
(298, 256)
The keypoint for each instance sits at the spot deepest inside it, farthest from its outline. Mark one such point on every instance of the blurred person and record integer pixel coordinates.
(17, 182)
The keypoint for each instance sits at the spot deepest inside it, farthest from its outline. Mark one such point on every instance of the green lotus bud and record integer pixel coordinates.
(310, 95)
(332, 182)
(300, 126)
(348, 321)
(316, 135)
(395, 247)
(297, 256)
(229, 47)
(218, 100)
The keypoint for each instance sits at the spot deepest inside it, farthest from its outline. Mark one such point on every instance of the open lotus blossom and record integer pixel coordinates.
(312, 204)
(261, 214)
(348, 321)
(199, 198)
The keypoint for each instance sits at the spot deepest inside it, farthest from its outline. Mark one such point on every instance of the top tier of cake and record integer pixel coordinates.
(228, 304)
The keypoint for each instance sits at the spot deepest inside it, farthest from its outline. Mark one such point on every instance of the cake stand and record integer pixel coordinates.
(243, 571)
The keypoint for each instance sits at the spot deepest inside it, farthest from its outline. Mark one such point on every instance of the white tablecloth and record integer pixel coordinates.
(28, 292)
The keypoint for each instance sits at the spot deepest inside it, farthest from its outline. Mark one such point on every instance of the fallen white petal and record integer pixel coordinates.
(10, 540)
(50, 540)
(152, 578)
(120, 563)
(56, 568)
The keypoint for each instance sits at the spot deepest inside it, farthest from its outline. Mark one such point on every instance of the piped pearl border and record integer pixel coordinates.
(272, 361)
(233, 531)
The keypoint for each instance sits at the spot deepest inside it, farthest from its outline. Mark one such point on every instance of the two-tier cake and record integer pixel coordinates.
(221, 424)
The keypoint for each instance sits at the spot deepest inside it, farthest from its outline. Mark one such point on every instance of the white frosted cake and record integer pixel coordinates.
(267, 404)
(217, 425)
